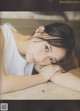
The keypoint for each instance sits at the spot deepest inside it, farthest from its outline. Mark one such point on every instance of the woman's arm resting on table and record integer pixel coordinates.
(11, 83)
(69, 80)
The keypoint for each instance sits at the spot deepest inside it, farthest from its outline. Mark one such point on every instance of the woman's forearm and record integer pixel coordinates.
(13, 83)
(68, 80)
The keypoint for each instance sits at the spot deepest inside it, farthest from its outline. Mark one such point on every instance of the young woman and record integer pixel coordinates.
(49, 51)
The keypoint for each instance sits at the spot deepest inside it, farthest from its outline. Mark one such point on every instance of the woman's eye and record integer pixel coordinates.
(46, 48)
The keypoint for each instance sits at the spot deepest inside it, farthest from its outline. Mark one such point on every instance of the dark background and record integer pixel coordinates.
(42, 105)
(37, 5)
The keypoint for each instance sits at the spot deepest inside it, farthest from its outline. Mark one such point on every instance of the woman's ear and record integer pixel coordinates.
(40, 29)
(39, 32)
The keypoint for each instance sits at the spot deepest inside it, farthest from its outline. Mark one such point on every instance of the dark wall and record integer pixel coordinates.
(38, 5)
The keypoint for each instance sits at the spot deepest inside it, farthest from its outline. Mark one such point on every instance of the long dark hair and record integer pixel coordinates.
(64, 38)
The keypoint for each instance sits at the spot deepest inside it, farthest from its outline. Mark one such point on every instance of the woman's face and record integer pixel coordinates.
(42, 53)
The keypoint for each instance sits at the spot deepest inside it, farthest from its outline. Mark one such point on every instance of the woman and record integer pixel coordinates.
(47, 51)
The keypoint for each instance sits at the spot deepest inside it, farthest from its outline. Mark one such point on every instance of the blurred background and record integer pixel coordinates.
(27, 21)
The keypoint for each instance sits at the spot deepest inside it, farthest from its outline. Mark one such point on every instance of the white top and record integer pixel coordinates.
(13, 62)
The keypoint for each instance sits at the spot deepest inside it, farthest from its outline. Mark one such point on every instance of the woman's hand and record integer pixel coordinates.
(48, 71)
